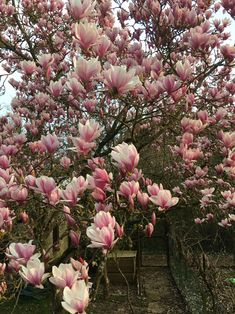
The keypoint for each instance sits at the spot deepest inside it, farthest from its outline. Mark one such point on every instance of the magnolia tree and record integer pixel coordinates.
(206, 165)
(97, 82)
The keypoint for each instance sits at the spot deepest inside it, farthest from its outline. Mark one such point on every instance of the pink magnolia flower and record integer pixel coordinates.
(54, 196)
(153, 89)
(192, 126)
(228, 52)
(231, 217)
(30, 181)
(75, 188)
(28, 67)
(81, 8)
(153, 219)
(4, 162)
(89, 131)
(37, 147)
(219, 168)
(136, 175)
(187, 138)
(50, 142)
(203, 116)
(102, 46)
(87, 70)
(6, 175)
(198, 39)
(95, 162)
(82, 147)
(121, 81)
(225, 223)
(82, 267)
(125, 157)
(154, 189)
(228, 139)
(75, 300)
(5, 218)
(231, 199)
(64, 276)
(205, 201)
(19, 193)
(104, 219)
(69, 218)
(34, 273)
(86, 34)
(56, 88)
(129, 190)
(230, 161)
(90, 105)
(199, 221)
(75, 238)
(208, 192)
(164, 200)
(149, 228)
(2, 268)
(119, 230)
(209, 216)
(45, 185)
(80, 183)
(183, 70)
(199, 172)
(14, 265)
(170, 83)
(24, 217)
(103, 207)
(4, 188)
(8, 150)
(101, 238)
(99, 195)
(75, 87)
(19, 139)
(65, 162)
(45, 60)
(227, 194)
(143, 199)
(220, 114)
(21, 252)
(100, 178)
(191, 154)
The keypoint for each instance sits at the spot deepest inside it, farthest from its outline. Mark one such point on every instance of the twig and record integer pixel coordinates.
(127, 285)
(17, 298)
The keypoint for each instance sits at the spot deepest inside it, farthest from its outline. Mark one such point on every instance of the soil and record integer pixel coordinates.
(157, 294)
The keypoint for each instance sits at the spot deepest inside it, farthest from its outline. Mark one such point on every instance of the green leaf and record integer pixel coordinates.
(232, 280)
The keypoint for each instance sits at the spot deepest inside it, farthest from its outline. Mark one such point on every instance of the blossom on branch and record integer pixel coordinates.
(75, 299)
(34, 273)
(121, 81)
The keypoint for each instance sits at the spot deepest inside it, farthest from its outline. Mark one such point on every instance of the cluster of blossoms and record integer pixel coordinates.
(88, 88)
(126, 191)
(208, 164)
(72, 277)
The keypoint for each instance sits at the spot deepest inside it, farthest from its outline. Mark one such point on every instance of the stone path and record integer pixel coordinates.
(162, 296)
(158, 293)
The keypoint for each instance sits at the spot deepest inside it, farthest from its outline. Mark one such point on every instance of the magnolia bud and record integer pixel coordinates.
(75, 238)
(149, 228)
(24, 217)
(119, 230)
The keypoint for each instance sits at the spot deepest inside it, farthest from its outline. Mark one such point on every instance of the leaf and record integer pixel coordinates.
(231, 280)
